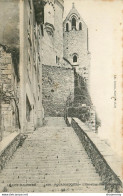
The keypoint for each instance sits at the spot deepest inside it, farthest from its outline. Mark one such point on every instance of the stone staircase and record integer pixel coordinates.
(52, 159)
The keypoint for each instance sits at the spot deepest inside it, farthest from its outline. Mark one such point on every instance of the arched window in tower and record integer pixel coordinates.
(67, 27)
(73, 23)
(80, 26)
(74, 58)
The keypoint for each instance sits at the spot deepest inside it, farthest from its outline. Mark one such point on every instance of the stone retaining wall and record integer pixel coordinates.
(57, 84)
(111, 181)
(9, 150)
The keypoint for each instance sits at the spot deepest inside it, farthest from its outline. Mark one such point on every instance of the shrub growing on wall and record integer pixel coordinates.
(82, 113)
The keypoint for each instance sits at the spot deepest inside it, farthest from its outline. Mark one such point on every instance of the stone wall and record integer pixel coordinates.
(9, 150)
(52, 40)
(9, 90)
(30, 69)
(48, 48)
(76, 49)
(58, 34)
(75, 42)
(82, 106)
(58, 83)
(81, 93)
(103, 165)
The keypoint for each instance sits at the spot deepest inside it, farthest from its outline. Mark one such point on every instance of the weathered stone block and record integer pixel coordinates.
(6, 87)
(9, 66)
(8, 59)
(9, 76)
(3, 66)
(9, 71)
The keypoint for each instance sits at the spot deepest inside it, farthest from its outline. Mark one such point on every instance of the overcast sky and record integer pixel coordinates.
(104, 20)
(9, 22)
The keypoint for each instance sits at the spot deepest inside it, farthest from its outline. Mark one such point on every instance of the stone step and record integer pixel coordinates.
(50, 177)
(39, 157)
(75, 189)
(50, 156)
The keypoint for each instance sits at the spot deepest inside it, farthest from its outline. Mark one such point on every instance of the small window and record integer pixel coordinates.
(80, 26)
(74, 58)
(42, 30)
(73, 23)
(67, 27)
(29, 22)
(57, 59)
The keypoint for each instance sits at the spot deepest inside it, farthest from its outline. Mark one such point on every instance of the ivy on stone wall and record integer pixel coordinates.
(81, 105)
(83, 113)
(7, 97)
(8, 93)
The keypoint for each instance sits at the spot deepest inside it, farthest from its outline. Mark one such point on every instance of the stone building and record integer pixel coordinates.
(20, 68)
(57, 79)
(76, 50)
(76, 54)
(52, 40)
(9, 68)
(30, 67)
(40, 56)
(60, 76)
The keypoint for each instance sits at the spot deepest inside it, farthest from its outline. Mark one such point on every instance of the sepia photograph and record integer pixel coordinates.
(61, 119)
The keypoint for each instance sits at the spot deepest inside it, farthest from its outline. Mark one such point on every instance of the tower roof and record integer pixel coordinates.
(72, 12)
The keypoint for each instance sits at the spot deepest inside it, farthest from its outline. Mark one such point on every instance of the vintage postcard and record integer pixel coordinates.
(61, 96)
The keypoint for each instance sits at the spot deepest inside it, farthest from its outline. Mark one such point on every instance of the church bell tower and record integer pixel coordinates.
(76, 50)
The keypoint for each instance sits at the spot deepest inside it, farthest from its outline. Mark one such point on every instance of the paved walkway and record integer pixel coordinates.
(52, 159)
